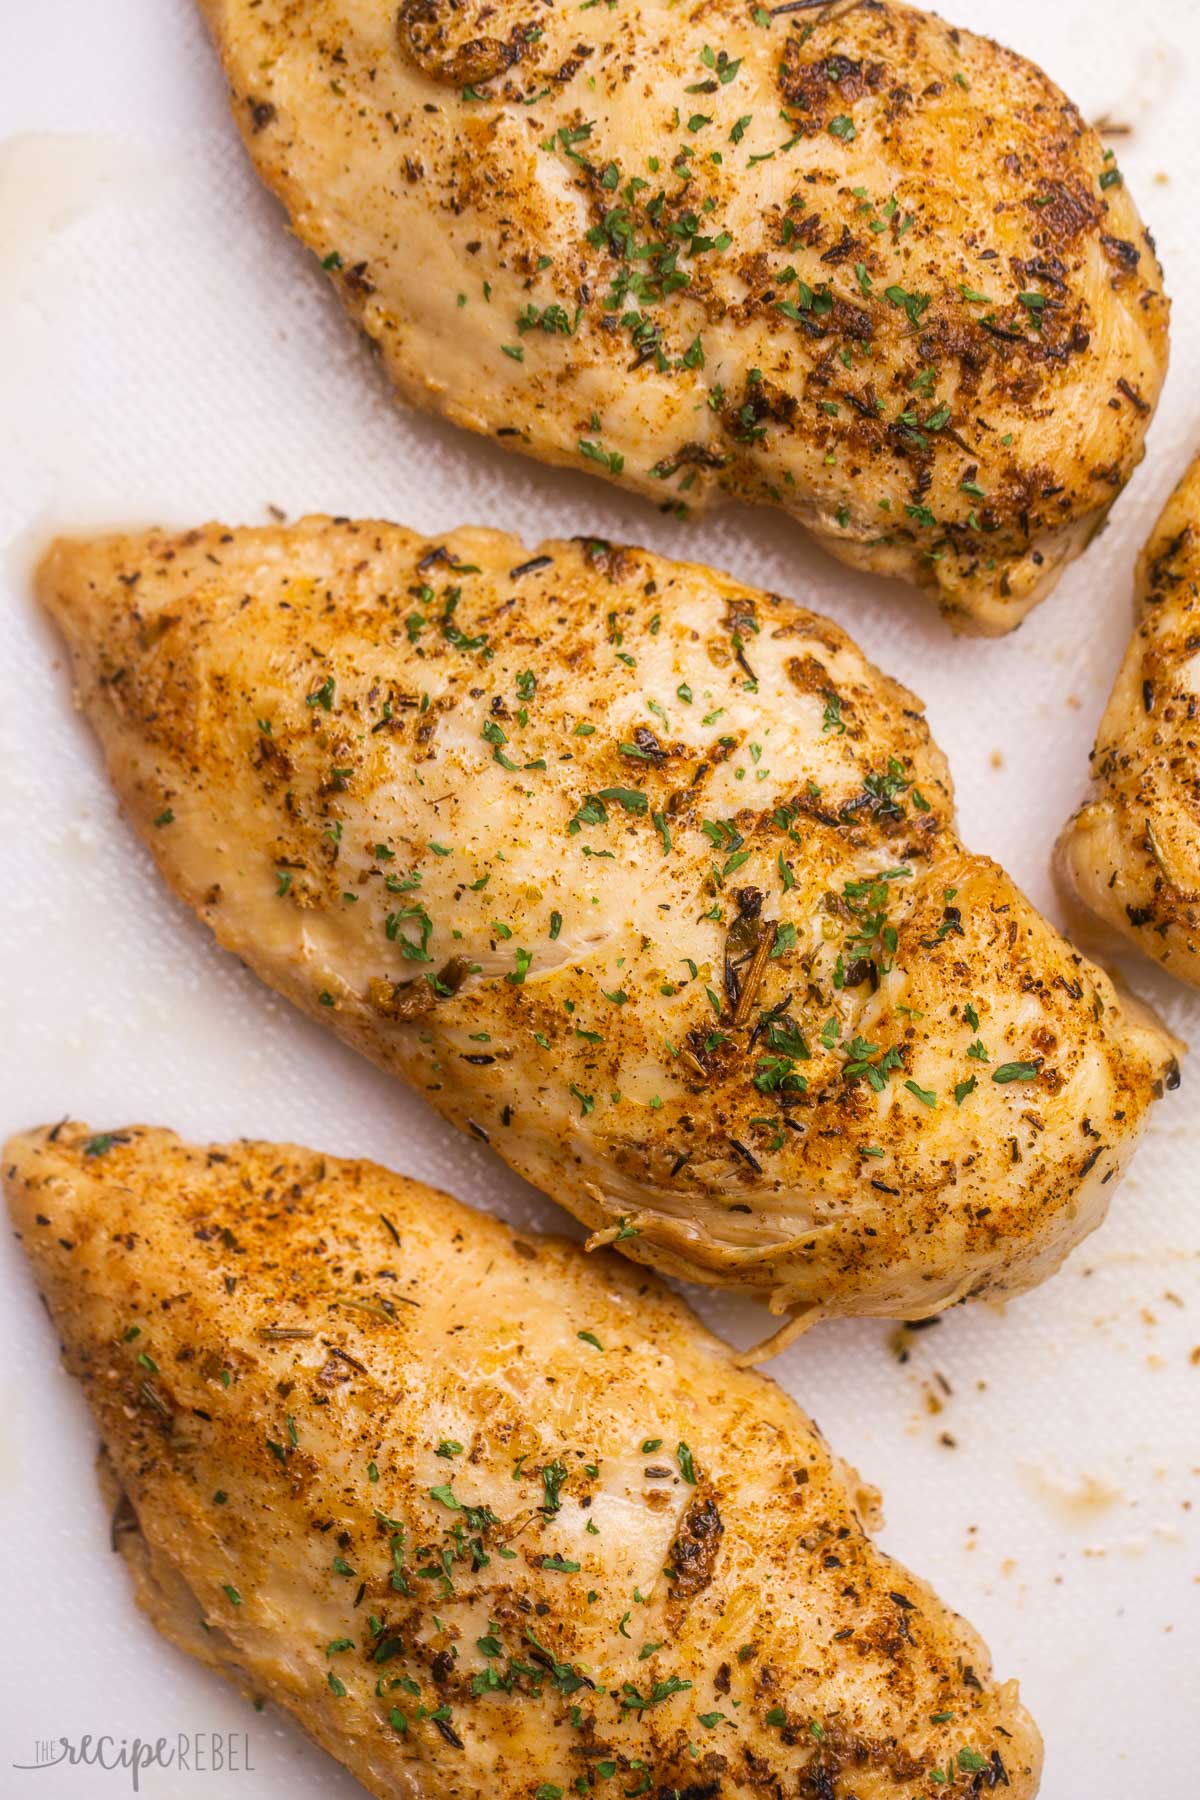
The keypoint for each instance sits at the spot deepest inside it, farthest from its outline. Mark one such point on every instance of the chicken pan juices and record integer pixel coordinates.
(645, 878)
(846, 260)
(490, 1518)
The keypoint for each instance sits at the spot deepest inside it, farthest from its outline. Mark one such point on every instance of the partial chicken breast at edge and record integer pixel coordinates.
(1132, 851)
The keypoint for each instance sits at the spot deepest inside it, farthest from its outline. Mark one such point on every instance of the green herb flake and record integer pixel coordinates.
(1016, 1071)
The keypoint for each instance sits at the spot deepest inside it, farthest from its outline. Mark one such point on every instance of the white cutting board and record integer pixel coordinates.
(168, 355)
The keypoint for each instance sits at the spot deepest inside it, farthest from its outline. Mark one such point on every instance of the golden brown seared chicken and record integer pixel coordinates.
(847, 260)
(1132, 851)
(491, 1519)
(646, 878)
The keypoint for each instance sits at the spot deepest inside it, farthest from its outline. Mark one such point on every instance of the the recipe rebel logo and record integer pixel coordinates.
(220, 1753)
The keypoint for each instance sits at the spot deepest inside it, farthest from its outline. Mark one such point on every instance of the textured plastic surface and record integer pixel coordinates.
(168, 354)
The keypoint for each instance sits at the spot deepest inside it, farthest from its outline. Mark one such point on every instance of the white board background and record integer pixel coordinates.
(167, 355)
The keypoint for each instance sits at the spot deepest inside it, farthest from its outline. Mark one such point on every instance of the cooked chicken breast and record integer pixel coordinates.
(491, 1519)
(846, 260)
(645, 878)
(1132, 852)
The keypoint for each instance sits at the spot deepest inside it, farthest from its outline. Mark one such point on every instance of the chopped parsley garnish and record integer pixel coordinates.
(1016, 1071)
